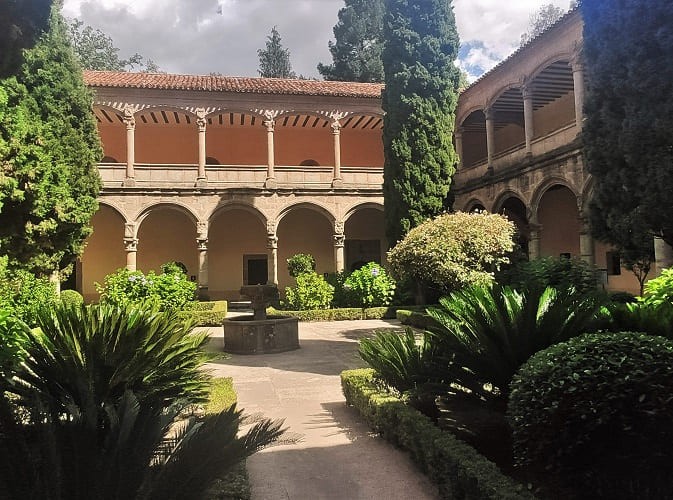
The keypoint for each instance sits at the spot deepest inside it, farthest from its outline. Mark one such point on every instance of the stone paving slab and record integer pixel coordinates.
(337, 457)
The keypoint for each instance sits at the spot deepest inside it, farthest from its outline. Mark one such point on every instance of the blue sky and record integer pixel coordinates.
(203, 36)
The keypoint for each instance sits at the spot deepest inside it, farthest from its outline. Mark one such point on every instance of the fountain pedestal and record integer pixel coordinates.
(259, 333)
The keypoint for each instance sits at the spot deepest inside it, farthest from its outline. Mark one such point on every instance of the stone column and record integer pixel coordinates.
(202, 246)
(489, 113)
(131, 245)
(201, 179)
(272, 246)
(578, 83)
(270, 159)
(534, 241)
(337, 181)
(586, 243)
(130, 123)
(339, 243)
(459, 146)
(529, 128)
(663, 255)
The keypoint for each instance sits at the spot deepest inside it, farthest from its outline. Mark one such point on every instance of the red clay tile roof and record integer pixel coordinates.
(231, 84)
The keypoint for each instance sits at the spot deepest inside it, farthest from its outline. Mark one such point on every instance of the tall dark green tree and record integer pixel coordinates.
(49, 149)
(629, 108)
(356, 51)
(420, 96)
(274, 59)
(21, 23)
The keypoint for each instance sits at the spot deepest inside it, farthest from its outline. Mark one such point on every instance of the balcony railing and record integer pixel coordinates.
(239, 176)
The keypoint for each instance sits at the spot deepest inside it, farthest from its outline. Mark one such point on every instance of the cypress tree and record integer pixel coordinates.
(49, 149)
(274, 60)
(420, 96)
(629, 109)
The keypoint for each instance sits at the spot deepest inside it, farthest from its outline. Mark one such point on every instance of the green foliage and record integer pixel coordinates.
(92, 411)
(343, 297)
(22, 294)
(356, 52)
(311, 292)
(49, 149)
(95, 50)
(453, 251)
(401, 361)
(627, 130)
(642, 317)
(546, 16)
(456, 467)
(204, 313)
(488, 333)
(340, 314)
(370, 286)
(274, 60)
(71, 298)
(660, 289)
(416, 319)
(167, 291)
(556, 272)
(419, 101)
(300, 263)
(11, 335)
(599, 408)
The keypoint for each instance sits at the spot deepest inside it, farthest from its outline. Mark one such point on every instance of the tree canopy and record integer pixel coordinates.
(356, 51)
(540, 20)
(274, 60)
(49, 149)
(629, 117)
(419, 99)
(21, 23)
(96, 51)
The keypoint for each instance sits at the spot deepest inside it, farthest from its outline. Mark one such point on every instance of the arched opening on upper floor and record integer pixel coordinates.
(474, 139)
(299, 136)
(508, 121)
(112, 132)
(308, 229)
(236, 138)
(553, 98)
(365, 238)
(166, 136)
(237, 251)
(361, 139)
(104, 252)
(559, 220)
(167, 233)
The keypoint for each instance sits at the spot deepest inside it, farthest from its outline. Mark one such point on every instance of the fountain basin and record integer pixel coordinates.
(246, 335)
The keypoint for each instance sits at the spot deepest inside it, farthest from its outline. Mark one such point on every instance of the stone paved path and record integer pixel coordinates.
(337, 458)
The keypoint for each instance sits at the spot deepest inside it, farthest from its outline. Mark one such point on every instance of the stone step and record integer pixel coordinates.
(239, 304)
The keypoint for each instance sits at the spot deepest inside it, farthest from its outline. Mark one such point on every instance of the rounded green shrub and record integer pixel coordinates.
(597, 409)
(300, 263)
(311, 292)
(370, 286)
(556, 272)
(660, 289)
(71, 298)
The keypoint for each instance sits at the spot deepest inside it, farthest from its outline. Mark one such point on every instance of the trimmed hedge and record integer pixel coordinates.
(457, 468)
(416, 319)
(341, 314)
(206, 313)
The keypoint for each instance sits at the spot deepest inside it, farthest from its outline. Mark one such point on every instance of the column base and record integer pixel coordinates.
(204, 294)
(201, 182)
(337, 183)
(129, 182)
(270, 183)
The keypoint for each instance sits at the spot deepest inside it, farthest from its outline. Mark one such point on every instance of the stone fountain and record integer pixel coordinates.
(259, 333)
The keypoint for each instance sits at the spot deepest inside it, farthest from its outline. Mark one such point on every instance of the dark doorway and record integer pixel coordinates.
(255, 269)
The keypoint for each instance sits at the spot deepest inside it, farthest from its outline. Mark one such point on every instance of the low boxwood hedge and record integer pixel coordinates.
(457, 468)
(416, 319)
(206, 313)
(341, 314)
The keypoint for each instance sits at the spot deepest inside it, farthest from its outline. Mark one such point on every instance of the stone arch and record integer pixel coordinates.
(542, 188)
(311, 205)
(501, 90)
(561, 56)
(587, 193)
(474, 204)
(114, 207)
(236, 205)
(557, 214)
(180, 207)
(463, 116)
(504, 196)
(360, 206)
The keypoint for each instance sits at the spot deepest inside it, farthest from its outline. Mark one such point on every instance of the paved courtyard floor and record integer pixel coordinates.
(336, 457)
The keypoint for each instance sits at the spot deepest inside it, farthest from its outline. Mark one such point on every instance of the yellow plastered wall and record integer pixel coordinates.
(167, 235)
(558, 216)
(231, 235)
(104, 252)
(304, 231)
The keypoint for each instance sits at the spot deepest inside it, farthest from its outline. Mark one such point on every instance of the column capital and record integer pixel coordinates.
(131, 244)
(130, 122)
(270, 228)
(272, 242)
(339, 227)
(336, 127)
(270, 125)
(201, 122)
(527, 91)
(202, 244)
(339, 240)
(489, 113)
(129, 230)
(202, 230)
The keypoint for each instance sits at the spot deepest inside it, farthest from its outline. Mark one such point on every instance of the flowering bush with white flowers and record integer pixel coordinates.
(370, 286)
(167, 291)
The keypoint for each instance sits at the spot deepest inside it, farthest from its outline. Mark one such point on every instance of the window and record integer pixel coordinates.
(613, 263)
